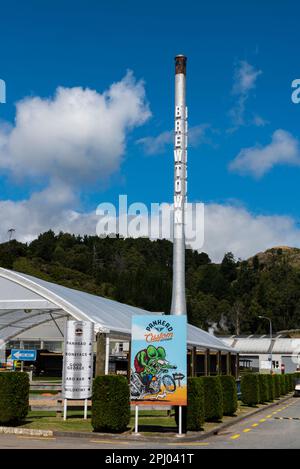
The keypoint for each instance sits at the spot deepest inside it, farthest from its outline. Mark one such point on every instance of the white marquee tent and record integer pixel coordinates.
(27, 302)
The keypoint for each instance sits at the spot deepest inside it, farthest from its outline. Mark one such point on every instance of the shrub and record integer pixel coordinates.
(277, 381)
(14, 397)
(263, 388)
(287, 383)
(110, 404)
(282, 385)
(271, 387)
(213, 398)
(195, 410)
(230, 402)
(193, 415)
(250, 389)
(291, 382)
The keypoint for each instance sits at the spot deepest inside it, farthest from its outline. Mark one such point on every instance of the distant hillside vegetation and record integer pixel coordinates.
(228, 296)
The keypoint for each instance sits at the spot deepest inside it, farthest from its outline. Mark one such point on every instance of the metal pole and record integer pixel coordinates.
(271, 336)
(106, 355)
(85, 409)
(136, 426)
(65, 409)
(180, 434)
(178, 306)
(271, 354)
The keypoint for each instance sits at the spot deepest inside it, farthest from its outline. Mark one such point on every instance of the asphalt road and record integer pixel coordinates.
(277, 428)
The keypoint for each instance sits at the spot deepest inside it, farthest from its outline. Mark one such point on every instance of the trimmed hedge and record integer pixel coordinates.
(282, 385)
(230, 401)
(213, 398)
(263, 388)
(195, 410)
(277, 381)
(271, 387)
(14, 397)
(250, 389)
(287, 383)
(193, 415)
(110, 404)
(291, 376)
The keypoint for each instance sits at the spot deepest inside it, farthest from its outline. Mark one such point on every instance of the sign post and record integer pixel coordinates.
(158, 362)
(78, 362)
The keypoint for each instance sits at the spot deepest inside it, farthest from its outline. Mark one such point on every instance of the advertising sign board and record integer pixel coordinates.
(159, 360)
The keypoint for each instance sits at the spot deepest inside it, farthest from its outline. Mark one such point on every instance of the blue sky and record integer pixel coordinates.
(242, 59)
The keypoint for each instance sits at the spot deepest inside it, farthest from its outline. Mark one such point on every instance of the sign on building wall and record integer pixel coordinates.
(78, 360)
(159, 360)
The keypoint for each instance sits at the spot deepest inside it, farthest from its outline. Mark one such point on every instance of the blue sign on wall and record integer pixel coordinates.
(23, 355)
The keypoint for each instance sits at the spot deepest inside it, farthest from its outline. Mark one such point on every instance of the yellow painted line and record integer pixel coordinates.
(255, 424)
(110, 442)
(262, 420)
(188, 444)
(21, 437)
(235, 437)
(269, 416)
(247, 430)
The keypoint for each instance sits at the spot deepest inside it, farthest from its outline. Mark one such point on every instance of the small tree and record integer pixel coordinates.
(110, 404)
(213, 398)
(250, 389)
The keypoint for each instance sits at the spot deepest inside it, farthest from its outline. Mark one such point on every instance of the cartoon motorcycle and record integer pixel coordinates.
(160, 383)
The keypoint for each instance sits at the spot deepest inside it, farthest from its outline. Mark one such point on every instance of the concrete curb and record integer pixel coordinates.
(25, 431)
(129, 436)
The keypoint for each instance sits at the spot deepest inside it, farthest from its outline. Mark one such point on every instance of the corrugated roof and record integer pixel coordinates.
(19, 291)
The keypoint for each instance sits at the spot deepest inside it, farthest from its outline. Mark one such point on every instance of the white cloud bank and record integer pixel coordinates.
(79, 135)
(227, 227)
(258, 160)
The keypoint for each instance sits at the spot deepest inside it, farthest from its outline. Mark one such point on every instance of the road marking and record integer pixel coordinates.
(22, 437)
(255, 424)
(262, 420)
(269, 416)
(110, 442)
(247, 430)
(235, 437)
(188, 444)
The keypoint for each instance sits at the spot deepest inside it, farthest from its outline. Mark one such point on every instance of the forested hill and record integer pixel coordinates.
(228, 296)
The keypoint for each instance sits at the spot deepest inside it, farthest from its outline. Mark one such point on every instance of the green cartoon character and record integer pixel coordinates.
(149, 362)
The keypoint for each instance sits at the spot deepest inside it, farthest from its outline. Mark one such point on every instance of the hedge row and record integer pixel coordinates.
(218, 398)
(110, 404)
(14, 397)
(261, 388)
(209, 398)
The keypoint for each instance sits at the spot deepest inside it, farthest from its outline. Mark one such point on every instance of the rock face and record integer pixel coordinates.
(284, 254)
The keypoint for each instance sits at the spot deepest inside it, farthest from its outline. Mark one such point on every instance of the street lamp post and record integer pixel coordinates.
(271, 356)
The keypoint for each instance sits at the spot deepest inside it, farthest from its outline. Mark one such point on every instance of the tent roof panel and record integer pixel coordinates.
(107, 314)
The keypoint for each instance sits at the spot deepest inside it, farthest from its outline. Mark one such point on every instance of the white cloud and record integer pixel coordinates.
(245, 76)
(79, 135)
(227, 227)
(235, 229)
(257, 160)
(159, 144)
